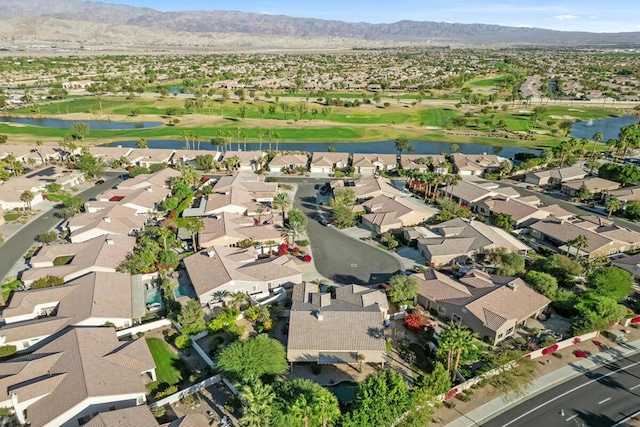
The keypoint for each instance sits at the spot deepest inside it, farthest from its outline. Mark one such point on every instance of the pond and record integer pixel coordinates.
(345, 391)
(68, 124)
(610, 127)
(421, 147)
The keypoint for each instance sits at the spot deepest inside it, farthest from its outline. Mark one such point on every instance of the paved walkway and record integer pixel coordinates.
(574, 369)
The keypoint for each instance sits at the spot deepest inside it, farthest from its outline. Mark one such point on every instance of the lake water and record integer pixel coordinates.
(610, 127)
(383, 147)
(68, 124)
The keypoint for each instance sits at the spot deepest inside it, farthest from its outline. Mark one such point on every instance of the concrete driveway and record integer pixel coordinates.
(339, 257)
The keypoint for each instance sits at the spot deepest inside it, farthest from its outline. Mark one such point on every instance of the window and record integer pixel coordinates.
(499, 336)
(112, 408)
(441, 310)
(509, 331)
(456, 318)
(82, 421)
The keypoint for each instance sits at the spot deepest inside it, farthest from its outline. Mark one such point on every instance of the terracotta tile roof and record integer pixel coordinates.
(329, 159)
(138, 416)
(162, 178)
(361, 160)
(116, 219)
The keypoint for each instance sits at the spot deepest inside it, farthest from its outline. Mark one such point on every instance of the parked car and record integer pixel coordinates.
(324, 222)
(100, 182)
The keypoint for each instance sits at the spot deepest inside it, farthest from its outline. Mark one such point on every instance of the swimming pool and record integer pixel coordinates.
(183, 291)
(345, 391)
(153, 296)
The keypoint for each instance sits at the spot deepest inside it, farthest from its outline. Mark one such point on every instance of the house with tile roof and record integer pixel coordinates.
(522, 212)
(459, 240)
(368, 187)
(373, 164)
(475, 164)
(36, 182)
(146, 157)
(227, 229)
(188, 157)
(325, 162)
(31, 317)
(425, 162)
(141, 416)
(82, 372)
(102, 253)
(218, 271)
(143, 200)
(28, 154)
(492, 306)
(116, 219)
(282, 161)
(162, 178)
(593, 184)
(625, 194)
(555, 176)
(110, 154)
(384, 213)
(604, 237)
(250, 161)
(344, 328)
(469, 192)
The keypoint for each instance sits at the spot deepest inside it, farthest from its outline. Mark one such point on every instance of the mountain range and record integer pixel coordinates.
(94, 23)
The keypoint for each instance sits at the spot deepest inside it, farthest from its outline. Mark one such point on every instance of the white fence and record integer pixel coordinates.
(186, 392)
(143, 328)
(196, 346)
(564, 344)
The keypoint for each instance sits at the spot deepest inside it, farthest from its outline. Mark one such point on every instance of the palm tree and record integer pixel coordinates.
(402, 143)
(237, 299)
(277, 139)
(260, 135)
(194, 226)
(270, 244)
(612, 204)
(27, 197)
(258, 401)
(302, 410)
(611, 142)
(451, 181)
(260, 210)
(578, 242)
(293, 229)
(597, 137)
(142, 143)
(282, 201)
(456, 340)
(164, 234)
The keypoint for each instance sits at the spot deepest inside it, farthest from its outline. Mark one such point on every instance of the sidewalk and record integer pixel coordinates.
(574, 369)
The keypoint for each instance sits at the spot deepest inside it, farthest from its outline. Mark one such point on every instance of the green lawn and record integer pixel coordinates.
(487, 82)
(57, 197)
(63, 260)
(435, 116)
(12, 216)
(8, 288)
(167, 362)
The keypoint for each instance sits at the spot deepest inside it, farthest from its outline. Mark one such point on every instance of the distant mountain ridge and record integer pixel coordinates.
(217, 21)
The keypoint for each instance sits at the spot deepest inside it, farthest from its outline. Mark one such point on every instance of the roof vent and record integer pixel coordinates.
(106, 219)
(211, 254)
(320, 315)
(512, 285)
(109, 241)
(150, 189)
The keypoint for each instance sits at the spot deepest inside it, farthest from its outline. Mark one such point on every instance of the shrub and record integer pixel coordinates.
(415, 322)
(7, 350)
(183, 341)
(550, 349)
(167, 392)
(47, 282)
(306, 258)
(158, 411)
(48, 237)
(303, 243)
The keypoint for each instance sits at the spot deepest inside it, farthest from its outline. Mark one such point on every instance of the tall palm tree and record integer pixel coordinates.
(302, 410)
(270, 244)
(277, 139)
(612, 204)
(260, 135)
(578, 242)
(451, 181)
(282, 201)
(237, 299)
(194, 226)
(292, 230)
(258, 401)
(164, 234)
(597, 137)
(27, 197)
(456, 340)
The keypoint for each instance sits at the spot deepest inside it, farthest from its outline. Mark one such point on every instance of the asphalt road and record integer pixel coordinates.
(337, 256)
(603, 397)
(14, 248)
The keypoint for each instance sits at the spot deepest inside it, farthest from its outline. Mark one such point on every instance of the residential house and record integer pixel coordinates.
(345, 329)
(475, 164)
(111, 154)
(116, 219)
(218, 271)
(368, 187)
(146, 157)
(458, 240)
(374, 164)
(188, 157)
(250, 161)
(36, 182)
(631, 263)
(625, 194)
(82, 372)
(555, 176)
(322, 162)
(227, 229)
(522, 212)
(102, 253)
(604, 238)
(162, 178)
(141, 416)
(424, 162)
(492, 306)
(283, 162)
(469, 193)
(30, 155)
(384, 213)
(596, 186)
(142, 201)
(91, 300)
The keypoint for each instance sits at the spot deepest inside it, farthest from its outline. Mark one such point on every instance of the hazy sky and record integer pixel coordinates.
(568, 15)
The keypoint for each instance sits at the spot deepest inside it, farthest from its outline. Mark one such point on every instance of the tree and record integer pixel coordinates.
(205, 162)
(27, 197)
(543, 283)
(403, 288)
(511, 264)
(343, 217)
(3, 139)
(454, 148)
(611, 282)
(307, 402)
(583, 193)
(80, 130)
(455, 342)
(293, 229)
(253, 358)
(578, 242)
(595, 313)
(296, 215)
(437, 382)
(48, 237)
(91, 166)
(142, 143)
(561, 267)
(258, 403)
(502, 220)
(402, 144)
(515, 372)
(183, 341)
(613, 204)
(191, 318)
(282, 201)
(343, 197)
(380, 399)
(138, 170)
(194, 226)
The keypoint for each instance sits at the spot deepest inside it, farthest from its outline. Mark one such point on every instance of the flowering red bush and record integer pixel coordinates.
(580, 353)
(550, 349)
(296, 250)
(451, 393)
(282, 249)
(597, 343)
(306, 258)
(577, 340)
(635, 320)
(415, 322)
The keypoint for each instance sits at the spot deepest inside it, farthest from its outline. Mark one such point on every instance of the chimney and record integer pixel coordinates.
(211, 254)
(106, 219)
(319, 315)
(109, 241)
